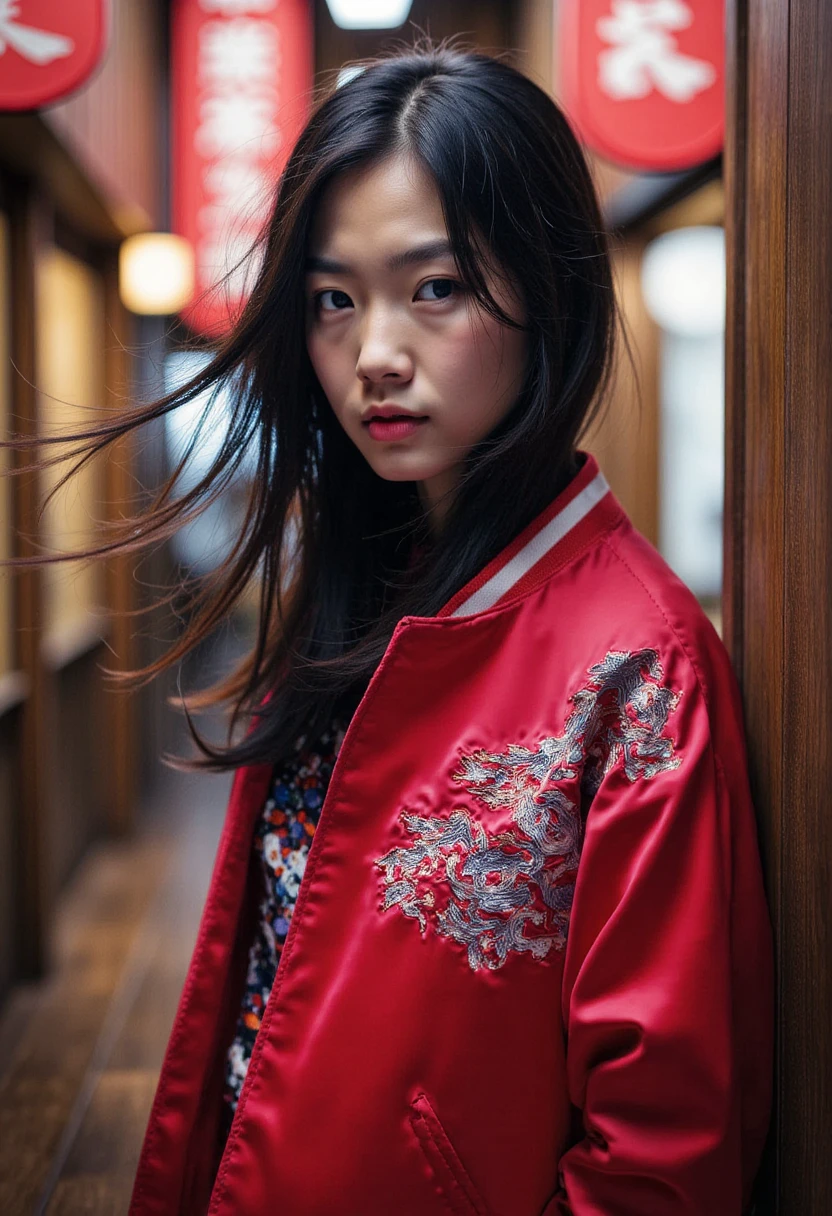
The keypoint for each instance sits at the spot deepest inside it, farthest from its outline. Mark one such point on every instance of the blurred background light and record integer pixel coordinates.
(155, 273)
(683, 280)
(195, 430)
(368, 14)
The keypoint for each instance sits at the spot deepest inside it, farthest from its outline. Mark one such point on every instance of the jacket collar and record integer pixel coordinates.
(584, 511)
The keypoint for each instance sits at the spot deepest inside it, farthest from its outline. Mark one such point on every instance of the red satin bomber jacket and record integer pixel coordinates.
(529, 971)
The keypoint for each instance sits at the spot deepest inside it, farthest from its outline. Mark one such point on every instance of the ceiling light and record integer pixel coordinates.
(368, 14)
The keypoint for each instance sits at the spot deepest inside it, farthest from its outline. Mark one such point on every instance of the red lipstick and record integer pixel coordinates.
(389, 422)
(394, 428)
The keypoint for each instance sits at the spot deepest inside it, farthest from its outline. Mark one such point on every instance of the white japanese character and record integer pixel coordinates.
(240, 52)
(235, 120)
(38, 46)
(231, 180)
(214, 216)
(236, 185)
(232, 257)
(645, 55)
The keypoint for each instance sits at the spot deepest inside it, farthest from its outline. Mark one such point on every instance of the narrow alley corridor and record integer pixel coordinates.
(81, 1051)
(437, 396)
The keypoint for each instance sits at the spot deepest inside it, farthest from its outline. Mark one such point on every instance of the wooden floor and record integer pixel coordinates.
(80, 1053)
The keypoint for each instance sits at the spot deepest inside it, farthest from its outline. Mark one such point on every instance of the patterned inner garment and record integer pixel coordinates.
(282, 839)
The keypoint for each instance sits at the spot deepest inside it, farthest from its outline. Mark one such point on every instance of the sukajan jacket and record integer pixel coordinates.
(529, 970)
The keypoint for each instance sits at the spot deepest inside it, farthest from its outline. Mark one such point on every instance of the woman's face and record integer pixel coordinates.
(389, 324)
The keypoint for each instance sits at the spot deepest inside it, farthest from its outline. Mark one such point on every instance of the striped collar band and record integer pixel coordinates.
(580, 513)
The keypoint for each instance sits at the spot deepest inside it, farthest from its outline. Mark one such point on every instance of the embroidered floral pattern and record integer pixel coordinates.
(282, 838)
(494, 893)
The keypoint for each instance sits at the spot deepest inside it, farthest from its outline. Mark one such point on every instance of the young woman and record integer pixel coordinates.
(486, 931)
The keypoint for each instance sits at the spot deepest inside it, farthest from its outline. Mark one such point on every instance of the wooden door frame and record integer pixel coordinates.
(778, 542)
(34, 900)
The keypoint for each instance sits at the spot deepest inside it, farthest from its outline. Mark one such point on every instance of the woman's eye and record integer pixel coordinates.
(332, 300)
(438, 289)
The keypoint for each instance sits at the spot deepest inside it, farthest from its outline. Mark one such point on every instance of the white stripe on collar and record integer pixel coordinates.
(505, 578)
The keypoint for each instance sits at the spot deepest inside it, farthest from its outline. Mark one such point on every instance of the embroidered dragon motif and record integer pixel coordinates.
(512, 890)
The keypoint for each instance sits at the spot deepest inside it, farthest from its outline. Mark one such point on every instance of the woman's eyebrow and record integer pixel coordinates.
(397, 261)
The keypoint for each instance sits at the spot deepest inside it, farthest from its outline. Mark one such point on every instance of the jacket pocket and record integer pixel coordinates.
(457, 1188)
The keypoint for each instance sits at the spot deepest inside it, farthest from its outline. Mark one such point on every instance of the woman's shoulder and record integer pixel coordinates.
(649, 599)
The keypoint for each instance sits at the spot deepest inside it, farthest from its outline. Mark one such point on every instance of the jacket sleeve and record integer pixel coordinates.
(667, 992)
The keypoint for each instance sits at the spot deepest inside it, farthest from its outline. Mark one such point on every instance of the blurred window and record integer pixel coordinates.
(70, 380)
(683, 278)
(204, 542)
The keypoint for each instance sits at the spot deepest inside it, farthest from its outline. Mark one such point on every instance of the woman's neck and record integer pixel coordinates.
(436, 496)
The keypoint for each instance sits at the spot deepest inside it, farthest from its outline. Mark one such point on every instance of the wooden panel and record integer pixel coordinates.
(31, 149)
(755, 425)
(28, 222)
(6, 605)
(706, 205)
(626, 438)
(113, 124)
(533, 34)
(79, 778)
(9, 720)
(70, 379)
(778, 553)
(806, 895)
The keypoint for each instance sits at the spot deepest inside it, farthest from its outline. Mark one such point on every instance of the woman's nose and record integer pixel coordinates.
(383, 353)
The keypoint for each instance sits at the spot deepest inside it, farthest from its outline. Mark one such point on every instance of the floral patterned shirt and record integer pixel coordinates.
(282, 837)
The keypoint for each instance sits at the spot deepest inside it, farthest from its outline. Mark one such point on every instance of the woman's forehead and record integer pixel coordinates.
(384, 210)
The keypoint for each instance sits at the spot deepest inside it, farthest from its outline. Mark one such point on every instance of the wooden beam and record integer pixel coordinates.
(27, 219)
(30, 148)
(778, 551)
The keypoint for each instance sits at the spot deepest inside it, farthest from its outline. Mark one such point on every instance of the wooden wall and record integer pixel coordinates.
(73, 180)
(625, 439)
(778, 556)
(9, 680)
(113, 126)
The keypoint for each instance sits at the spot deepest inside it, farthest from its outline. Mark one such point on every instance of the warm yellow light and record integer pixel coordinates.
(155, 273)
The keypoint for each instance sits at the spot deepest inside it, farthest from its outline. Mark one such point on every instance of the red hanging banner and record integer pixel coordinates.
(241, 74)
(48, 48)
(643, 80)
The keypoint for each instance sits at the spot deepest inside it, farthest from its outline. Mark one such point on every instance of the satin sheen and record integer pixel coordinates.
(628, 1074)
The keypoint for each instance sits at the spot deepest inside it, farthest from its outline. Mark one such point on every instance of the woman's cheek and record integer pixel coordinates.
(328, 363)
(453, 359)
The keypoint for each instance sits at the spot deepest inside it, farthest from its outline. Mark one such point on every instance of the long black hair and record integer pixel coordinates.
(338, 553)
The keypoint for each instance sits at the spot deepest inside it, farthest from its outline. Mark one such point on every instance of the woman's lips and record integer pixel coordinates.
(386, 429)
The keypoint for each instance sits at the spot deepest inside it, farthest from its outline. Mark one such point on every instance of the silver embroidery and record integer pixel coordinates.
(513, 890)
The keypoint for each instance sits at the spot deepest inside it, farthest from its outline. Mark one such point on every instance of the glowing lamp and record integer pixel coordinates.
(683, 280)
(368, 14)
(155, 273)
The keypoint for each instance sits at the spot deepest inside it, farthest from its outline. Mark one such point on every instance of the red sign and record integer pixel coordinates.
(643, 80)
(48, 48)
(242, 78)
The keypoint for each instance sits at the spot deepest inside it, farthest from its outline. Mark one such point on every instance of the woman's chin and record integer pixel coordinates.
(401, 466)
